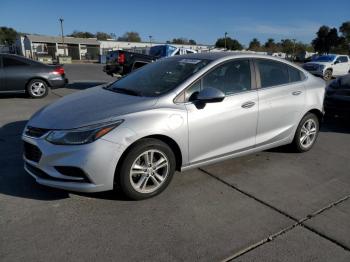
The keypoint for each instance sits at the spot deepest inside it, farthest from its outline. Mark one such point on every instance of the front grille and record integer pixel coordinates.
(35, 132)
(31, 152)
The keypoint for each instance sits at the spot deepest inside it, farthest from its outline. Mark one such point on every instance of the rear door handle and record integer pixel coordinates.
(248, 104)
(296, 93)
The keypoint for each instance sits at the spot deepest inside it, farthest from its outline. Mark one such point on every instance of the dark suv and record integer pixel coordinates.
(22, 75)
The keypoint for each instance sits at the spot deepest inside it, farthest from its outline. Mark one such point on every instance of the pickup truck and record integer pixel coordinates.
(328, 66)
(121, 62)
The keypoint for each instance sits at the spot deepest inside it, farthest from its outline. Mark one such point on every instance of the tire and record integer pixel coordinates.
(143, 183)
(37, 88)
(327, 75)
(302, 141)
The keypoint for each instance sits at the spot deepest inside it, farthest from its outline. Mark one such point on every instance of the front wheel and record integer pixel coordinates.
(146, 170)
(306, 133)
(327, 75)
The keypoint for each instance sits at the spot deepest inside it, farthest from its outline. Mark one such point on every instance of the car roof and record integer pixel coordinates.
(228, 54)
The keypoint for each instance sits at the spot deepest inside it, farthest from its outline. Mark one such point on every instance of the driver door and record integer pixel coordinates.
(226, 127)
(341, 66)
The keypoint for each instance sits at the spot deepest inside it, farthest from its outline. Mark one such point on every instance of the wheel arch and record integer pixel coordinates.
(318, 113)
(166, 139)
(39, 78)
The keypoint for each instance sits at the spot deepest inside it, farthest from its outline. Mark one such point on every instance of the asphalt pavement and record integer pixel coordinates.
(271, 206)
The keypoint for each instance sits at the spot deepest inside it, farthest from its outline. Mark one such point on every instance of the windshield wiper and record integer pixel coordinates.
(125, 91)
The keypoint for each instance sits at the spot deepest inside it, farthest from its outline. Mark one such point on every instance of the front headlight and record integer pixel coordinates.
(321, 67)
(82, 135)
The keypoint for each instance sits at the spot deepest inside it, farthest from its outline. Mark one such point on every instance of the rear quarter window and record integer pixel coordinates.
(272, 73)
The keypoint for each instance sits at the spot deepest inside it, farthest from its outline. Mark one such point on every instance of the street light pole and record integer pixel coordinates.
(225, 40)
(150, 40)
(64, 48)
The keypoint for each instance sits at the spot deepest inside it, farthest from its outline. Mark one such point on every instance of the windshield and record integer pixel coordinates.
(159, 77)
(325, 58)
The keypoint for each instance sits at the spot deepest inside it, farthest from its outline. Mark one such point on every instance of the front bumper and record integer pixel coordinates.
(339, 105)
(316, 73)
(97, 160)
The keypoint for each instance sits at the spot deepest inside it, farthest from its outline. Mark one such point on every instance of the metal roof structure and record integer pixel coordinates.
(58, 39)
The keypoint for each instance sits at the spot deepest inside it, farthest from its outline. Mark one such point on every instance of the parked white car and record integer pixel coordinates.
(328, 66)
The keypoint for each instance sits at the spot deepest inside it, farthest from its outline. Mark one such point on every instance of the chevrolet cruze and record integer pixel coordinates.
(174, 114)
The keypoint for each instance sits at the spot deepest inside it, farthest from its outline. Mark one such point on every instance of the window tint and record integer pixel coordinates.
(7, 62)
(272, 73)
(342, 59)
(294, 74)
(230, 78)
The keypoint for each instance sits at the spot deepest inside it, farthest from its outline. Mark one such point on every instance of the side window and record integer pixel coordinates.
(295, 75)
(343, 59)
(272, 73)
(231, 77)
(8, 62)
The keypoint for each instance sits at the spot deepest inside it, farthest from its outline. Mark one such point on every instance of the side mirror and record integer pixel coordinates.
(336, 62)
(210, 95)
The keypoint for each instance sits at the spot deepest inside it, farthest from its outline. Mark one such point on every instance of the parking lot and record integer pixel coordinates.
(271, 206)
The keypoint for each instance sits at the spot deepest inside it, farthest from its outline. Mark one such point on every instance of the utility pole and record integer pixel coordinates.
(64, 48)
(150, 40)
(225, 40)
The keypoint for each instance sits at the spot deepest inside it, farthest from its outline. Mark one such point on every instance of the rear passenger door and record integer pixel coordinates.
(281, 93)
(15, 73)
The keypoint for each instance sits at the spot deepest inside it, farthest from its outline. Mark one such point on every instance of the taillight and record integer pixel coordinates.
(121, 58)
(59, 71)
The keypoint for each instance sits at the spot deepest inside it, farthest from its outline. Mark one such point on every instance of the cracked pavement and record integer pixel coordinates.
(270, 206)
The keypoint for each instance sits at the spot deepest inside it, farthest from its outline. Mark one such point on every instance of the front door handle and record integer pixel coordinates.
(248, 104)
(296, 93)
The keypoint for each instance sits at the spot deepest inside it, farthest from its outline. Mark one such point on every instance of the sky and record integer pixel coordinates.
(203, 21)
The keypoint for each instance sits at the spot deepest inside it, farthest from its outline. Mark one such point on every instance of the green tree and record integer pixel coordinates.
(82, 34)
(254, 45)
(231, 44)
(345, 30)
(103, 36)
(130, 37)
(7, 35)
(270, 46)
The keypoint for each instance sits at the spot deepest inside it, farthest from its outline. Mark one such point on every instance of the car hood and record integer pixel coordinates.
(88, 107)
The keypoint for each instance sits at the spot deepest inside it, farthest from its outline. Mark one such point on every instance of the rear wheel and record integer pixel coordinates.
(147, 169)
(37, 88)
(306, 133)
(327, 75)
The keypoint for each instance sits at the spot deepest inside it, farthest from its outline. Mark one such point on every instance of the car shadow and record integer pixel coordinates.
(15, 181)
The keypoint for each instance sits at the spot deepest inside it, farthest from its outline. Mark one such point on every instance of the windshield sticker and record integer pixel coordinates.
(190, 61)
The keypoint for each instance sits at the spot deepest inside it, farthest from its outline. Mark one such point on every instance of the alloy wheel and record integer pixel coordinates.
(37, 89)
(149, 171)
(308, 133)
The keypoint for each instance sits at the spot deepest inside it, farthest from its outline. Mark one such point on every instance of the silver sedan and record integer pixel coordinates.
(175, 114)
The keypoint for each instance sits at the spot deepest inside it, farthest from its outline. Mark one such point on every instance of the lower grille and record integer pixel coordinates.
(43, 175)
(31, 152)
